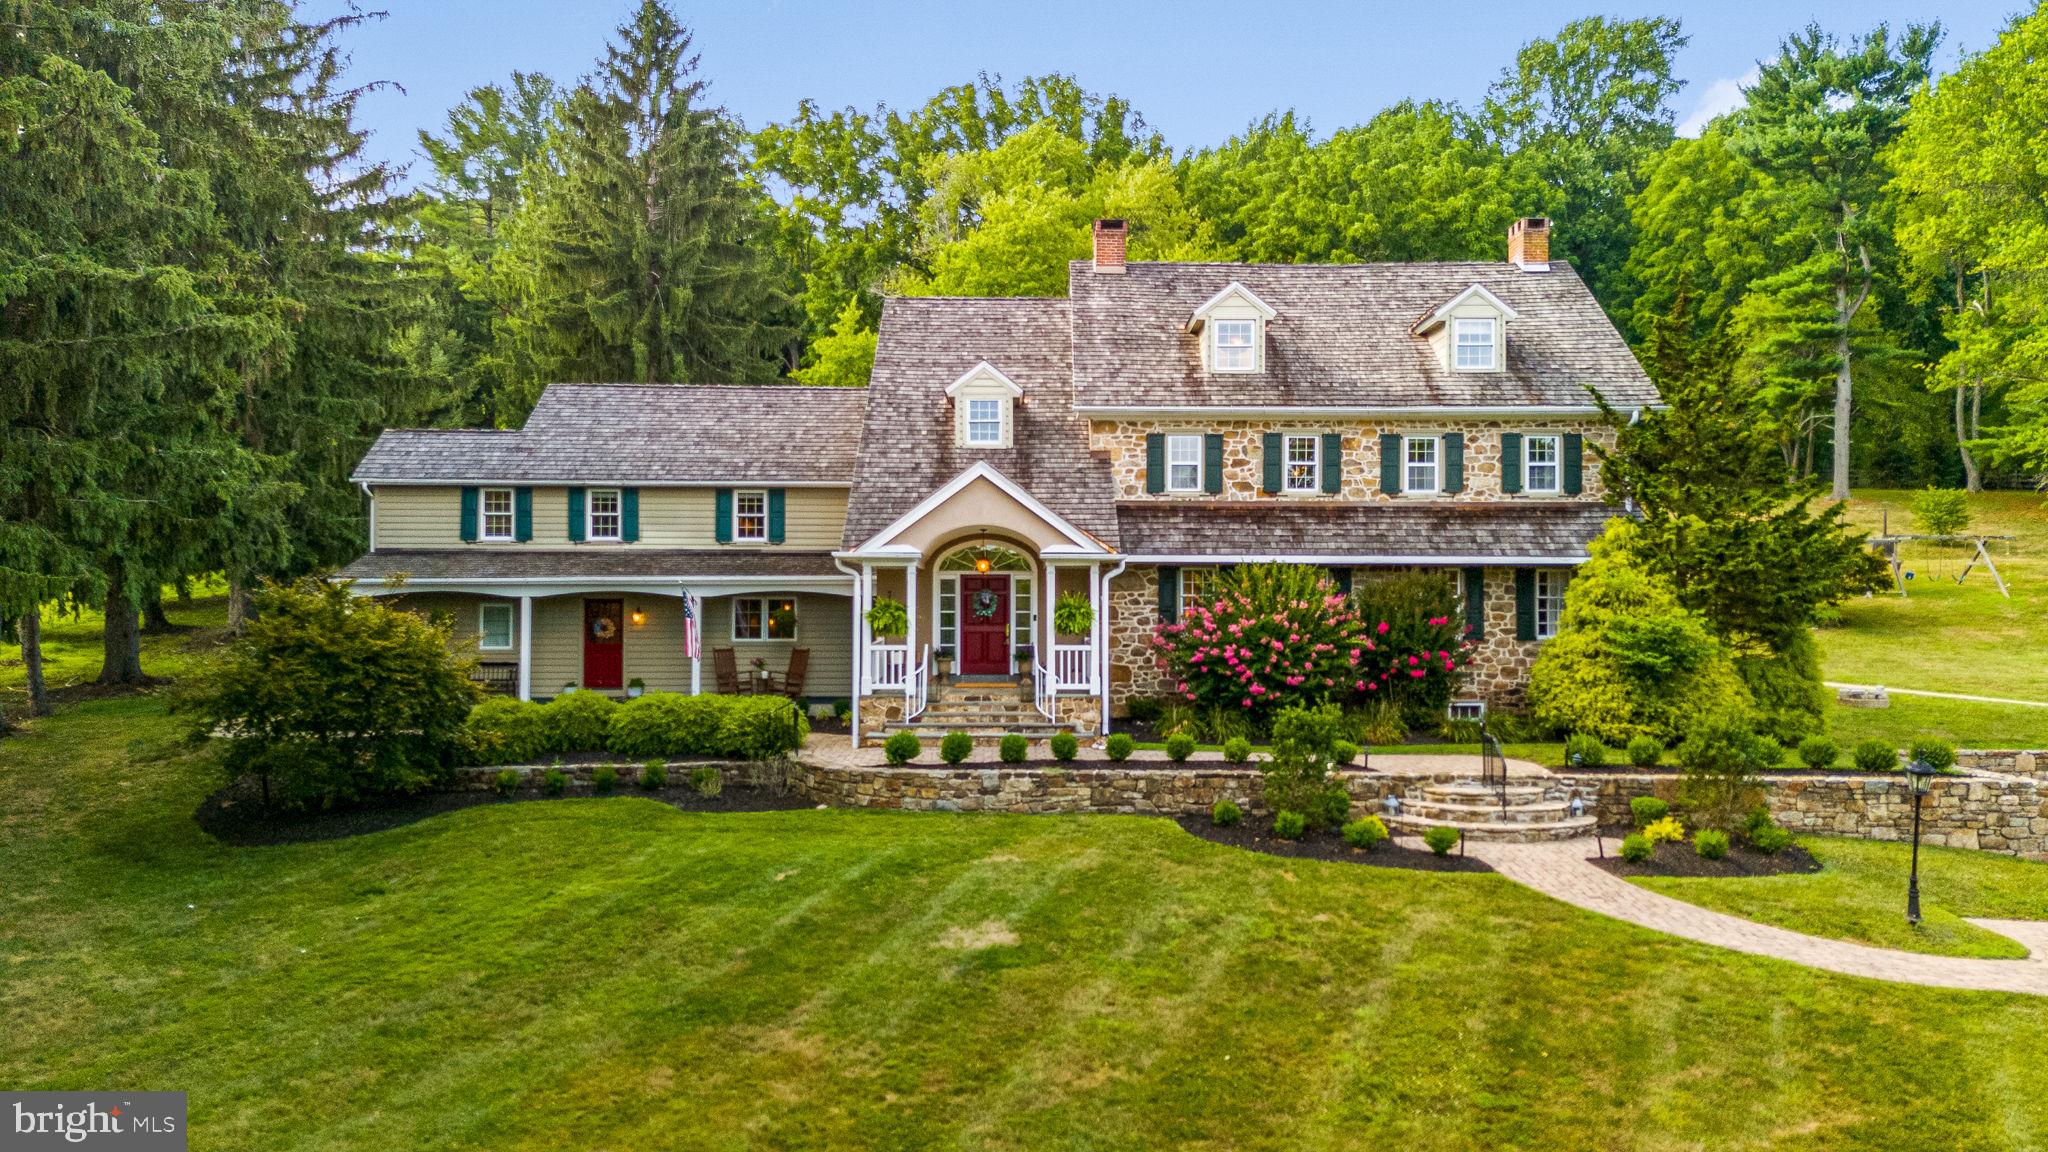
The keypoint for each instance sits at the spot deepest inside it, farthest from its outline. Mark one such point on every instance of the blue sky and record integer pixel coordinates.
(1199, 71)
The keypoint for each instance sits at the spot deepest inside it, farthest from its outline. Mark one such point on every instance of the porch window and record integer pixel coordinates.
(1023, 612)
(1183, 463)
(1197, 588)
(1303, 473)
(1420, 456)
(498, 521)
(1550, 584)
(750, 516)
(1539, 464)
(949, 611)
(764, 618)
(604, 514)
(494, 627)
(984, 421)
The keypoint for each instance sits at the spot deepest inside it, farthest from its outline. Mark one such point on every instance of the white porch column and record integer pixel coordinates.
(1046, 638)
(910, 601)
(695, 607)
(526, 647)
(863, 589)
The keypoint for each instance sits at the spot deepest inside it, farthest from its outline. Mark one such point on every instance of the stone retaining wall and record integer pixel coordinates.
(2031, 764)
(1091, 788)
(773, 775)
(2009, 816)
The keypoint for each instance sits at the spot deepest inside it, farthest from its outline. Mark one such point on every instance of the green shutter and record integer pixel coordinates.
(522, 514)
(1333, 463)
(576, 521)
(1273, 458)
(1525, 603)
(1341, 577)
(1155, 463)
(1574, 463)
(1390, 463)
(1475, 603)
(722, 527)
(1169, 595)
(469, 515)
(1511, 462)
(778, 506)
(629, 515)
(1212, 463)
(1454, 461)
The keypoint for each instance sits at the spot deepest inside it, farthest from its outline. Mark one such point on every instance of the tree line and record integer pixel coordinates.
(211, 299)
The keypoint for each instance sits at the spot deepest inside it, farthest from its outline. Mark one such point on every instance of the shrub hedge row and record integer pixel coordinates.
(656, 725)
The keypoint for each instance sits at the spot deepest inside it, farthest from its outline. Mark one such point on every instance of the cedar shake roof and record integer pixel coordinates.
(1342, 337)
(1518, 529)
(663, 433)
(498, 563)
(907, 448)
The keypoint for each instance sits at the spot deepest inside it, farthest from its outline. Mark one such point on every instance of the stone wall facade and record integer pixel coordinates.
(773, 775)
(2031, 764)
(1243, 464)
(1996, 815)
(1133, 614)
(1098, 788)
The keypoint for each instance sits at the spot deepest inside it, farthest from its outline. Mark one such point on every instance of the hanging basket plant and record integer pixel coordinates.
(1073, 615)
(888, 618)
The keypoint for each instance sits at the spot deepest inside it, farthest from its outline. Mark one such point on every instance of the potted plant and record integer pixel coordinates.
(1024, 654)
(1073, 617)
(760, 668)
(945, 657)
(635, 687)
(888, 620)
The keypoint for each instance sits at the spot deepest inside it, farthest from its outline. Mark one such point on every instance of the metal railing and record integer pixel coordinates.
(1493, 765)
(1073, 667)
(1044, 691)
(888, 666)
(919, 691)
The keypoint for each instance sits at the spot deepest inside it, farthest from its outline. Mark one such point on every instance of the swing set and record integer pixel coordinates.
(1888, 545)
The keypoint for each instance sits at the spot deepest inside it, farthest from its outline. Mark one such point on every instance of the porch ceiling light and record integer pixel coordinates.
(639, 617)
(981, 564)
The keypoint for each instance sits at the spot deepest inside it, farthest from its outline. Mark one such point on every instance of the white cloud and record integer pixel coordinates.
(1721, 96)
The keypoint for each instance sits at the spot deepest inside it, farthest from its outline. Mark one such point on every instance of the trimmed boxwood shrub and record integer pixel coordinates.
(604, 778)
(1343, 752)
(577, 722)
(671, 725)
(1645, 751)
(1120, 746)
(957, 746)
(554, 781)
(1636, 848)
(1583, 751)
(1237, 750)
(1225, 813)
(653, 776)
(1819, 752)
(1014, 748)
(1939, 756)
(1874, 756)
(1179, 747)
(504, 730)
(1366, 832)
(1289, 825)
(1770, 839)
(1711, 844)
(1064, 747)
(1441, 839)
(902, 747)
(1648, 810)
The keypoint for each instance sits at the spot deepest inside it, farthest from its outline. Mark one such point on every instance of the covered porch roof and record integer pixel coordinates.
(980, 501)
(556, 572)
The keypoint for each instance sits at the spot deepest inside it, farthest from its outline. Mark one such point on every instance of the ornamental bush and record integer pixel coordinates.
(1064, 747)
(1658, 831)
(1343, 752)
(504, 730)
(1941, 511)
(1628, 659)
(1791, 702)
(1819, 752)
(332, 698)
(707, 781)
(671, 725)
(577, 722)
(1237, 750)
(1874, 756)
(603, 779)
(1939, 756)
(1647, 810)
(1583, 751)
(956, 746)
(1179, 747)
(1636, 848)
(901, 747)
(554, 781)
(1013, 749)
(1298, 773)
(1645, 751)
(1289, 825)
(1721, 762)
(506, 782)
(1416, 646)
(1770, 839)
(653, 776)
(1442, 838)
(1366, 832)
(1120, 746)
(1711, 844)
(1225, 813)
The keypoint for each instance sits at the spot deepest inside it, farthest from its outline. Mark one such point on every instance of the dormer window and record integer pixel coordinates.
(1232, 345)
(1475, 342)
(985, 407)
(985, 422)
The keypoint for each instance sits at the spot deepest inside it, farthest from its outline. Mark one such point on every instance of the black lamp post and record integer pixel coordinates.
(1921, 773)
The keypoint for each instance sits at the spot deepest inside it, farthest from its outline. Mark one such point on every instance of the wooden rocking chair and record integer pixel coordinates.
(725, 670)
(791, 682)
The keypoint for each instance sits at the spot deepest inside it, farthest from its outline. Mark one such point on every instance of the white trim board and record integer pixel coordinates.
(982, 470)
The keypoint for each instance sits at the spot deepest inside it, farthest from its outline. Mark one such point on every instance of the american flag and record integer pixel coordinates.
(690, 626)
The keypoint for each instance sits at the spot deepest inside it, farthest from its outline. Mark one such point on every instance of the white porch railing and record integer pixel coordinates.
(1073, 667)
(888, 666)
(920, 687)
(1043, 691)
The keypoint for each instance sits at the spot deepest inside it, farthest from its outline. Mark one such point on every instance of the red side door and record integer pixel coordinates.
(984, 625)
(604, 644)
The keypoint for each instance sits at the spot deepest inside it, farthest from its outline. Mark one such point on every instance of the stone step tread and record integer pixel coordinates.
(1568, 828)
(1513, 814)
(1460, 793)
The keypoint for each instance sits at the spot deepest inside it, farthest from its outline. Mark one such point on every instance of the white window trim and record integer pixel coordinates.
(1208, 574)
(1002, 419)
(483, 512)
(590, 531)
(1201, 464)
(1556, 464)
(1492, 344)
(1315, 487)
(1466, 710)
(733, 624)
(1436, 467)
(739, 537)
(1545, 578)
(1256, 357)
(511, 628)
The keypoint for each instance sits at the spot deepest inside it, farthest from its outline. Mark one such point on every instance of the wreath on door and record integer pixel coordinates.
(604, 628)
(985, 603)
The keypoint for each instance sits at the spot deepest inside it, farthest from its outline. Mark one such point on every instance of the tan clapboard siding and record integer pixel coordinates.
(422, 517)
(824, 624)
(654, 649)
(557, 644)
(460, 609)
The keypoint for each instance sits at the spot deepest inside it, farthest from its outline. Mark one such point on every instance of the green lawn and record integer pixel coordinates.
(614, 974)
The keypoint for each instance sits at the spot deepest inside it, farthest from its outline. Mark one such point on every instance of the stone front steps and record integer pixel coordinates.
(985, 711)
(1522, 814)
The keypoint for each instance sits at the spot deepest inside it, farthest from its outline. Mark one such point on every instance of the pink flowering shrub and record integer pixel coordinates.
(1421, 650)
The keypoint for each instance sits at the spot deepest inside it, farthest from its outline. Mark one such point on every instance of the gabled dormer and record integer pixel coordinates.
(984, 408)
(1469, 332)
(1232, 328)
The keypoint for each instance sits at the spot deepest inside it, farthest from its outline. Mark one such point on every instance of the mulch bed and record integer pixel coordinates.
(235, 814)
(1680, 860)
(1325, 846)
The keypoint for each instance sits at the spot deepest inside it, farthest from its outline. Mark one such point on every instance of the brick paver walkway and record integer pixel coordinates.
(1564, 871)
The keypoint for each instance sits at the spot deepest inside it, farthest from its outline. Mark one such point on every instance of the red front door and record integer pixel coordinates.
(984, 625)
(604, 644)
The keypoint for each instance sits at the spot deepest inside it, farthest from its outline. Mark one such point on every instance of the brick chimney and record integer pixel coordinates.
(1529, 244)
(1110, 237)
